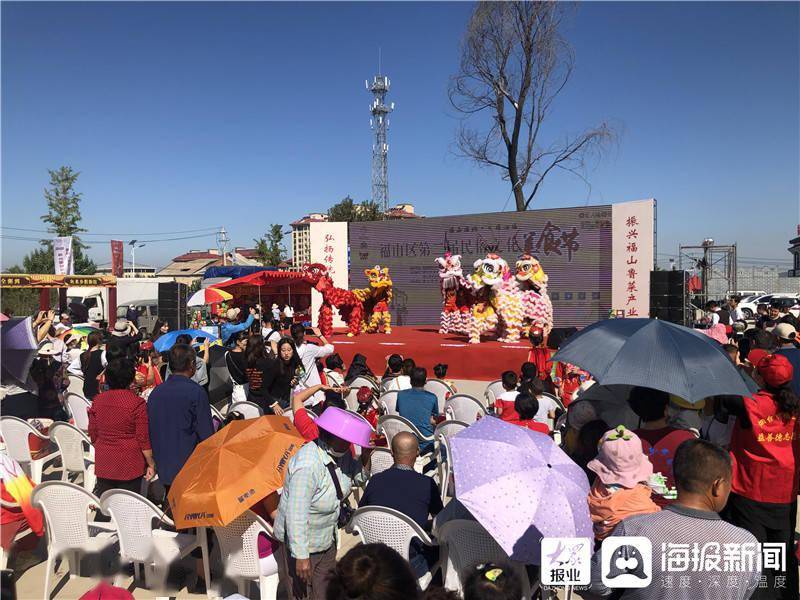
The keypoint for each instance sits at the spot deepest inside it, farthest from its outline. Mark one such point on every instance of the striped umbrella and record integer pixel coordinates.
(208, 296)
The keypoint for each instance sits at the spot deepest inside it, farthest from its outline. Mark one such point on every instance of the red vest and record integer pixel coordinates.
(764, 467)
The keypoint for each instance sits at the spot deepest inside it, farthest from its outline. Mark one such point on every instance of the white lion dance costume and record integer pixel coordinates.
(536, 305)
(456, 295)
(498, 301)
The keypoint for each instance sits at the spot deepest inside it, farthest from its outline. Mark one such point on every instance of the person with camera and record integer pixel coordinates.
(318, 477)
(309, 353)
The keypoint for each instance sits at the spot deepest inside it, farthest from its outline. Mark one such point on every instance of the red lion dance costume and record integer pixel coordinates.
(350, 307)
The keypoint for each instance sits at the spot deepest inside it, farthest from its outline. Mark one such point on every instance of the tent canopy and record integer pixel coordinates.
(280, 286)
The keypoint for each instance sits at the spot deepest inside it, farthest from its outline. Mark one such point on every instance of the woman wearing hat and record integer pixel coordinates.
(765, 447)
(318, 477)
(620, 490)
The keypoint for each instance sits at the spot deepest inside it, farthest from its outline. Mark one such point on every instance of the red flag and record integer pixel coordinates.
(117, 268)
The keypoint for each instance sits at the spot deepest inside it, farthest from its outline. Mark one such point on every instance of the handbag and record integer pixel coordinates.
(345, 511)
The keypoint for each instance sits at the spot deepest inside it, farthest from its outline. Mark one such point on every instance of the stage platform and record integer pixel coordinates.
(481, 362)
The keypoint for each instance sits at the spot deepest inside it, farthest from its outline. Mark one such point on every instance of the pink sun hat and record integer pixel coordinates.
(620, 459)
(345, 425)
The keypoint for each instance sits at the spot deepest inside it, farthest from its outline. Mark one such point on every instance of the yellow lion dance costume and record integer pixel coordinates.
(376, 299)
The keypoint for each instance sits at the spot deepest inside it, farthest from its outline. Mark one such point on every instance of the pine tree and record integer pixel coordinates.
(63, 218)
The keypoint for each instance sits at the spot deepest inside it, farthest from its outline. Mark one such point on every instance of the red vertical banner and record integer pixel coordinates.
(117, 268)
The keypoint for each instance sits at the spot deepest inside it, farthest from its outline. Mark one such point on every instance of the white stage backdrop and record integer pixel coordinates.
(329, 247)
(632, 248)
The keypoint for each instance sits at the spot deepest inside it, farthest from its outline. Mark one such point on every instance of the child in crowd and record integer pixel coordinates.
(547, 406)
(334, 370)
(620, 490)
(504, 403)
(440, 371)
(526, 406)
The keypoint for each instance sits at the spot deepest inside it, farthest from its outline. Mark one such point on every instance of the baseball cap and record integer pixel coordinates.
(785, 331)
(775, 370)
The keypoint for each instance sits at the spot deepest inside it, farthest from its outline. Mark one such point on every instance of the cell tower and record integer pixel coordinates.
(380, 148)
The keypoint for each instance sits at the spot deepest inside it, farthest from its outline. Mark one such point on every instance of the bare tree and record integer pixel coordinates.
(514, 64)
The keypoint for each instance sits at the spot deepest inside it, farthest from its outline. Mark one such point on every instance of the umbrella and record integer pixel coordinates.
(655, 354)
(167, 341)
(18, 346)
(242, 463)
(520, 486)
(208, 296)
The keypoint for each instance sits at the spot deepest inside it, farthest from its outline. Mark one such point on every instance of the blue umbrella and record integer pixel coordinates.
(655, 354)
(167, 341)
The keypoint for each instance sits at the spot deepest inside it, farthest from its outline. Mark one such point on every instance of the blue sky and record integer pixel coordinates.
(190, 115)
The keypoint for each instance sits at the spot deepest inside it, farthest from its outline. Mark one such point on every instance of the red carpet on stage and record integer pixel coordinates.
(481, 362)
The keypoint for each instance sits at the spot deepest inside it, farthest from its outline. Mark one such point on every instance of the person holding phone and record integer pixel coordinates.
(308, 354)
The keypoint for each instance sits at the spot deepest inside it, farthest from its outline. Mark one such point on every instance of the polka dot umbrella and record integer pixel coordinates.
(520, 486)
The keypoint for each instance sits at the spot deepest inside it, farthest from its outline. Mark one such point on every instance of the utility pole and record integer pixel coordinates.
(222, 244)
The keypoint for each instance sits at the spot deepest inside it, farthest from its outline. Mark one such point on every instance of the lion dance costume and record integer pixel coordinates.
(456, 295)
(351, 309)
(376, 299)
(536, 305)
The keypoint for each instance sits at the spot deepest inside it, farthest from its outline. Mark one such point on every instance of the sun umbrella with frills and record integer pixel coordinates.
(520, 486)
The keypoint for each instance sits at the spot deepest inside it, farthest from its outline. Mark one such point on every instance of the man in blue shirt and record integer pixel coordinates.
(419, 407)
(229, 326)
(179, 415)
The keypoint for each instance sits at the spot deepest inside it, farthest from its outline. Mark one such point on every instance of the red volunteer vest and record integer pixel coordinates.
(764, 467)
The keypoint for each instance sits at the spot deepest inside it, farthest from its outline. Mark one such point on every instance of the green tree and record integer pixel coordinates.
(270, 249)
(63, 218)
(348, 211)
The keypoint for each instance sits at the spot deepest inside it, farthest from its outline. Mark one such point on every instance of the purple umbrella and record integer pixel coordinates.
(520, 486)
(18, 346)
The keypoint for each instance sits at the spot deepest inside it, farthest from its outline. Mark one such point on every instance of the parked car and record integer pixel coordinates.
(749, 304)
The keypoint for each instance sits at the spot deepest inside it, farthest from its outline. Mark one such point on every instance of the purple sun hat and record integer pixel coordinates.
(345, 425)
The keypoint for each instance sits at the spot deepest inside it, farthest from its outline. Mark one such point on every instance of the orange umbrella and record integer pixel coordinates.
(242, 463)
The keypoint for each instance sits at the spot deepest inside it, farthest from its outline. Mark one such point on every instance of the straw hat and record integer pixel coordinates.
(121, 328)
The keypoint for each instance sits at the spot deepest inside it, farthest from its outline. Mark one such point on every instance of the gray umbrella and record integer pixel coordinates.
(655, 354)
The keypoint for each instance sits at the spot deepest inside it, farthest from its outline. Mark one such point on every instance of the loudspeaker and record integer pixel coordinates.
(172, 304)
(667, 295)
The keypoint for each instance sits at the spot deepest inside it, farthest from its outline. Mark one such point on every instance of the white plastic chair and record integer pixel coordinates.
(444, 431)
(465, 543)
(142, 543)
(380, 460)
(239, 548)
(441, 390)
(465, 408)
(388, 402)
(493, 390)
(352, 398)
(66, 509)
(250, 410)
(216, 414)
(75, 385)
(334, 378)
(391, 425)
(379, 524)
(15, 434)
(78, 408)
(77, 453)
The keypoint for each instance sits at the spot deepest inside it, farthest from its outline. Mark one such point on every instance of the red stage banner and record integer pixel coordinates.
(117, 268)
